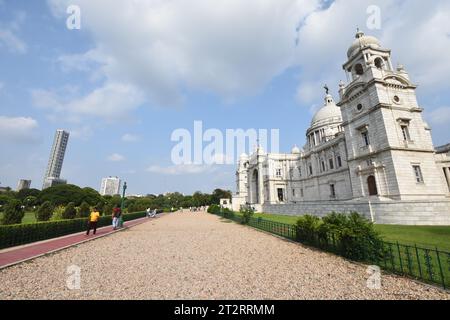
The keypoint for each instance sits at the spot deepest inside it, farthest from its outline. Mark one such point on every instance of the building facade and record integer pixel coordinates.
(110, 186)
(55, 162)
(23, 184)
(371, 152)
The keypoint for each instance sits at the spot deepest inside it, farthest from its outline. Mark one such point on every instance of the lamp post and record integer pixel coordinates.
(122, 203)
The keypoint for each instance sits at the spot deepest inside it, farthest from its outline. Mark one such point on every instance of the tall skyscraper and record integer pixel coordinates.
(52, 175)
(110, 186)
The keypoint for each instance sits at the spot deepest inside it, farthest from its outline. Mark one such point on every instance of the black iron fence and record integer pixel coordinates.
(424, 264)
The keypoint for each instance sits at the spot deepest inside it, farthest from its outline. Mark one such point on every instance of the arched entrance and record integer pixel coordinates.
(255, 187)
(372, 185)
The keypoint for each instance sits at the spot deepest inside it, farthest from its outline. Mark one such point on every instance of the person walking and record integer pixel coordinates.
(115, 217)
(93, 219)
(119, 217)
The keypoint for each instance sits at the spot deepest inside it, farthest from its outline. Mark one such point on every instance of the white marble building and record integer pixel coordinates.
(371, 152)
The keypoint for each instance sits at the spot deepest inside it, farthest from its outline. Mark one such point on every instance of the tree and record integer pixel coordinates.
(108, 208)
(45, 211)
(4, 200)
(91, 196)
(30, 201)
(220, 194)
(84, 210)
(24, 193)
(62, 195)
(70, 212)
(13, 213)
(100, 206)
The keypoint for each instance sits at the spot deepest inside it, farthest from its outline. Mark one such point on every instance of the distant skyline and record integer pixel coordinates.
(123, 83)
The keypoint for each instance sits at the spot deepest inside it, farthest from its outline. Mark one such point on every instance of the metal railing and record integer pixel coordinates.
(425, 264)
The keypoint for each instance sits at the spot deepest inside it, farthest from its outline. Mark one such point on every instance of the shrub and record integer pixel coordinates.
(13, 213)
(45, 211)
(247, 214)
(84, 210)
(14, 235)
(308, 228)
(70, 212)
(227, 213)
(108, 208)
(58, 213)
(214, 209)
(101, 207)
(354, 235)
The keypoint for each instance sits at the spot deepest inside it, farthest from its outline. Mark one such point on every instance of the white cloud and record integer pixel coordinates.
(128, 137)
(228, 47)
(115, 157)
(234, 47)
(9, 37)
(17, 129)
(182, 169)
(439, 116)
(83, 132)
(12, 42)
(111, 102)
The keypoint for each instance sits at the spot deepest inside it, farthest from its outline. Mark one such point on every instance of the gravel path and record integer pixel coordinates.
(200, 256)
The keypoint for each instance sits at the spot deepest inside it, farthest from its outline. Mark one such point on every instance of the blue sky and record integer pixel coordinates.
(137, 71)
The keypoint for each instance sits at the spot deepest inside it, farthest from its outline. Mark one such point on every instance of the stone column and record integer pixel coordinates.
(261, 183)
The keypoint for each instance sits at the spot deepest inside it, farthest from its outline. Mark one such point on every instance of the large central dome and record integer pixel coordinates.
(330, 113)
(362, 41)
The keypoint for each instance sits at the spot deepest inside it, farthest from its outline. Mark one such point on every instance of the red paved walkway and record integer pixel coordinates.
(14, 255)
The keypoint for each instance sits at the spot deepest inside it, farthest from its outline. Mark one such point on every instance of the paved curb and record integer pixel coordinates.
(70, 245)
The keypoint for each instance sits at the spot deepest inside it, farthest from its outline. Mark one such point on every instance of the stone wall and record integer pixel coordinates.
(381, 212)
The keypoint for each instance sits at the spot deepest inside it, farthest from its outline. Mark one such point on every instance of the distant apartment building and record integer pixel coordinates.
(23, 184)
(110, 186)
(52, 175)
(51, 182)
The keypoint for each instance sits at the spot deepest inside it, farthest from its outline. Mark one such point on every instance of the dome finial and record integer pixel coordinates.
(327, 90)
(359, 33)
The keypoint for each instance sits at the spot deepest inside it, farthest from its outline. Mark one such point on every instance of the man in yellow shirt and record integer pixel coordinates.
(93, 219)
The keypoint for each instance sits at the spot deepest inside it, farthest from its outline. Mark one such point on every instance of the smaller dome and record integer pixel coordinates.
(362, 41)
(295, 150)
(243, 156)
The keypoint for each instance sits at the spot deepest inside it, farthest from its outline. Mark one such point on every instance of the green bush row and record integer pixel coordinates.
(225, 212)
(19, 234)
(350, 235)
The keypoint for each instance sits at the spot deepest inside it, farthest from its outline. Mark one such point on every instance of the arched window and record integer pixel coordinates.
(379, 63)
(359, 69)
(372, 185)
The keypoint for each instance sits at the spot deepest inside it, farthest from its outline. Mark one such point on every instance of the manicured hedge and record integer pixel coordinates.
(19, 234)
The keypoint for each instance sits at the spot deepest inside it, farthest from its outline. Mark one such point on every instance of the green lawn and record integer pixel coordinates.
(421, 235)
(28, 218)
